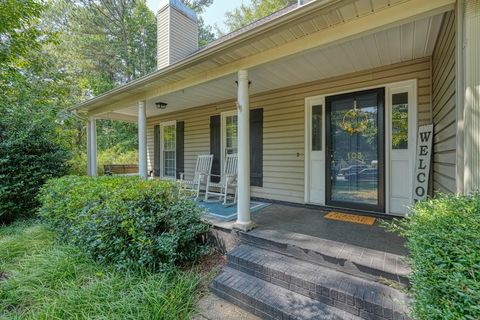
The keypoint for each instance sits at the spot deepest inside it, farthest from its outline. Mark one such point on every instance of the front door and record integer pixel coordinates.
(355, 170)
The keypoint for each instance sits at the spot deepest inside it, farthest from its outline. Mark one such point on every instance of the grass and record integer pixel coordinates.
(43, 279)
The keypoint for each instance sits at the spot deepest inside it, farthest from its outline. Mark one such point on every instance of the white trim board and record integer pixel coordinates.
(162, 125)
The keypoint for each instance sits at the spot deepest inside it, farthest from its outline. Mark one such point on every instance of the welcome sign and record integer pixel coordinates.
(422, 163)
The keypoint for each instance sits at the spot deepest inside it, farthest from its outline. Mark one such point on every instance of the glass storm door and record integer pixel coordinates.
(355, 150)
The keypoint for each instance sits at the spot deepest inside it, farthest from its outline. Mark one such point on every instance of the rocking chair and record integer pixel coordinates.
(228, 179)
(203, 169)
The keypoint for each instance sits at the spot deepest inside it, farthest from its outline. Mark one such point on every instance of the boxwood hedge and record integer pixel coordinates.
(443, 237)
(126, 221)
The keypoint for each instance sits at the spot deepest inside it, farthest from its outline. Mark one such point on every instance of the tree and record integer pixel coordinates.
(31, 148)
(205, 32)
(101, 45)
(257, 9)
(115, 37)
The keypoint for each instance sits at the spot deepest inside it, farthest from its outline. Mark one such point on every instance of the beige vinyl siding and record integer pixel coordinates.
(163, 38)
(444, 107)
(283, 128)
(177, 36)
(183, 36)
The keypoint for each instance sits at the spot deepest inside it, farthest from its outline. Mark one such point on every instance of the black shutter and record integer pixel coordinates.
(256, 147)
(180, 149)
(156, 151)
(215, 138)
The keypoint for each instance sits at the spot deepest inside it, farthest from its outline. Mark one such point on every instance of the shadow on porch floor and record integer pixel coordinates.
(311, 222)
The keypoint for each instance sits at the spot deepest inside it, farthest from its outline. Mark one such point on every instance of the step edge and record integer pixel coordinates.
(401, 277)
(334, 295)
(258, 300)
(233, 254)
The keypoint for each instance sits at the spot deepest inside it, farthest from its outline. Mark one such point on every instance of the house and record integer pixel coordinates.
(322, 102)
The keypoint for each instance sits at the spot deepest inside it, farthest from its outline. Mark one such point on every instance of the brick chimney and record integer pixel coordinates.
(177, 32)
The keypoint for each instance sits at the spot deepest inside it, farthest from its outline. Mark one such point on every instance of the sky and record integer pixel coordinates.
(215, 14)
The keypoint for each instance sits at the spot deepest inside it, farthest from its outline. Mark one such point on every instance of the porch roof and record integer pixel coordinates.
(315, 41)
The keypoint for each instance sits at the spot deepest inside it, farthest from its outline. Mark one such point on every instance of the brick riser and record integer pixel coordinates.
(268, 301)
(357, 296)
(328, 258)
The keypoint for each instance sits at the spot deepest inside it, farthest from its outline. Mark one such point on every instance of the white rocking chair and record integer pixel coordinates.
(228, 179)
(203, 169)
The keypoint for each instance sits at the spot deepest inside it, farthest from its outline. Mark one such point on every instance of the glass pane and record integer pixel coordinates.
(354, 141)
(317, 128)
(169, 137)
(169, 163)
(169, 149)
(400, 120)
(231, 134)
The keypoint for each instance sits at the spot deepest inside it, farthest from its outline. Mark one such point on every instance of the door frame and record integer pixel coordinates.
(380, 207)
(314, 100)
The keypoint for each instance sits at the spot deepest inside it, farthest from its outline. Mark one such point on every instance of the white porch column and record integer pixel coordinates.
(244, 221)
(91, 147)
(142, 140)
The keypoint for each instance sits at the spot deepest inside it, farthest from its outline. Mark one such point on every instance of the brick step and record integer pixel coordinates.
(358, 296)
(359, 261)
(269, 301)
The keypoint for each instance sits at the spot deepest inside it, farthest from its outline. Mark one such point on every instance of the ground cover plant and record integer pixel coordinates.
(443, 237)
(126, 221)
(43, 279)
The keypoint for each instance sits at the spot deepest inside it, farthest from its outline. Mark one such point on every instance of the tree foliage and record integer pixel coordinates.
(257, 9)
(32, 148)
(205, 32)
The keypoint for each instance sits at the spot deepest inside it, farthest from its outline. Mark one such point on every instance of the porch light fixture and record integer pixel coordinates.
(161, 105)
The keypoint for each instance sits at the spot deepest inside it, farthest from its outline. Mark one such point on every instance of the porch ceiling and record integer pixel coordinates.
(400, 43)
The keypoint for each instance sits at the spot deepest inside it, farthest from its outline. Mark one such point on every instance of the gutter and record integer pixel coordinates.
(204, 54)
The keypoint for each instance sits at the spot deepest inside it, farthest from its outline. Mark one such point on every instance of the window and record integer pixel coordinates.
(168, 147)
(317, 128)
(229, 136)
(400, 120)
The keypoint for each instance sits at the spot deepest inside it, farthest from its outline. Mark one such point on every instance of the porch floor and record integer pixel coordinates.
(311, 222)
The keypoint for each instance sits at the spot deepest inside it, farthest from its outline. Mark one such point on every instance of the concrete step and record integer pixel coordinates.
(359, 261)
(358, 296)
(269, 301)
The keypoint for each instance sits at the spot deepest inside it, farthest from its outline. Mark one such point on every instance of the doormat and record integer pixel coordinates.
(353, 218)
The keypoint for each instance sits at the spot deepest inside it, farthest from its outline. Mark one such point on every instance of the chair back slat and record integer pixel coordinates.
(231, 167)
(204, 165)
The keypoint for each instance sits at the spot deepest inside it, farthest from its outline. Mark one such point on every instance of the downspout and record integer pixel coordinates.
(460, 92)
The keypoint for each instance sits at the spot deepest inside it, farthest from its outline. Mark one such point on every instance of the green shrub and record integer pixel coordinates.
(29, 155)
(443, 236)
(132, 223)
